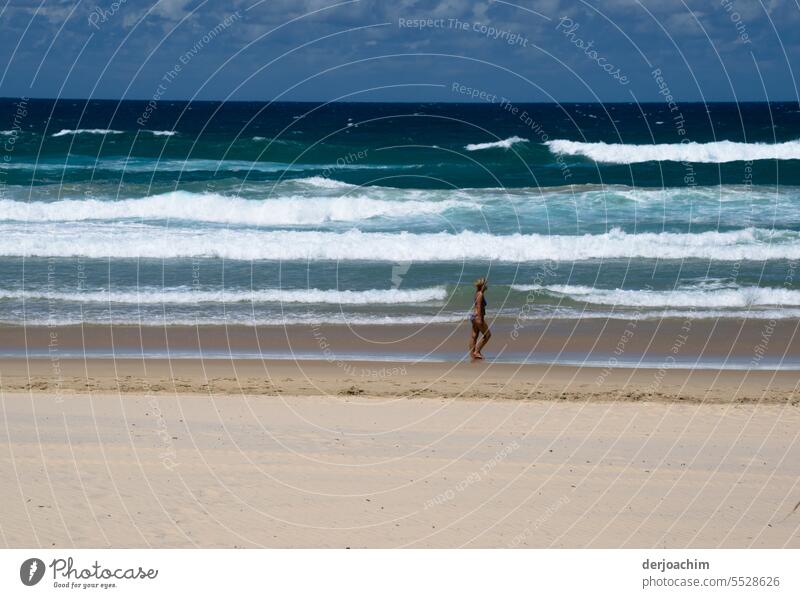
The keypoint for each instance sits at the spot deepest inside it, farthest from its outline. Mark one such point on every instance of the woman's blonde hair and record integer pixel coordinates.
(480, 284)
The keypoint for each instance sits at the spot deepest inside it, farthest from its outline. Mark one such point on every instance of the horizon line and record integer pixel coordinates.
(469, 103)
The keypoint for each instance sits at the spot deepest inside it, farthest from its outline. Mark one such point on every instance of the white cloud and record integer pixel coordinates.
(172, 9)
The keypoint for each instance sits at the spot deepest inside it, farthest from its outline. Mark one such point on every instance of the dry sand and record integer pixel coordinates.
(277, 453)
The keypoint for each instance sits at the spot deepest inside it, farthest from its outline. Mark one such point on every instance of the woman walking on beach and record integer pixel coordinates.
(478, 319)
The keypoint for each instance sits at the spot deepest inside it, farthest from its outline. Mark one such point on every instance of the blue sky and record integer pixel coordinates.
(407, 50)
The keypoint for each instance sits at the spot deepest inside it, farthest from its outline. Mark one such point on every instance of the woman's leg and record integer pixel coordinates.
(473, 338)
(487, 334)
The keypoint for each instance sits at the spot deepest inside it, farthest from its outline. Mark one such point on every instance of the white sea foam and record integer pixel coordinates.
(520, 200)
(149, 165)
(701, 296)
(187, 296)
(322, 183)
(782, 313)
(715, 152)
(243, 319)
(504, 144)
(162, 133)
(132, 240)
(157, 317)
(211, 207)
(64, 132)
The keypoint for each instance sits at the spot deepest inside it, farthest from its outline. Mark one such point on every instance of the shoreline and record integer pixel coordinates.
(581, 360)
(670, 342)
(414, 359)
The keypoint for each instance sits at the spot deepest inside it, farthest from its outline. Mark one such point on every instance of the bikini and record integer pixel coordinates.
(483, 306)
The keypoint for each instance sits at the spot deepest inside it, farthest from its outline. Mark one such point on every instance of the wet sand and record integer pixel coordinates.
(669, 360)
(743, 343)
(464, 380)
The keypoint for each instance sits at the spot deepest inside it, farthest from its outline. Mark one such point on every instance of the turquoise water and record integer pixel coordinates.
(385, 213)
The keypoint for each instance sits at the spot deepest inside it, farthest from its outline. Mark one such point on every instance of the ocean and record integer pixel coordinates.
(283, 213)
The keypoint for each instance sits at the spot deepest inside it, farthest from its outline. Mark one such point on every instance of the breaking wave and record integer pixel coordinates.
(187, 296)
(134, 240)
(64, 132)
(716, 152)
(504, 144)
(221, 209)
(699, 296)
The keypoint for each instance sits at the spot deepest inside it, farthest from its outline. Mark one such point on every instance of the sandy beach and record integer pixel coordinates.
(223, 471)
(238, 452)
